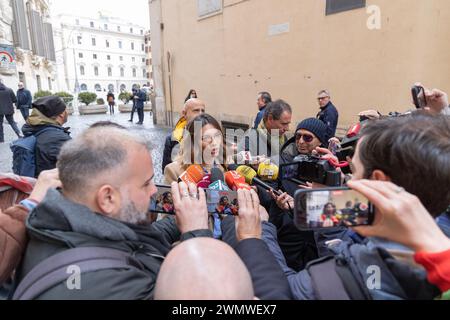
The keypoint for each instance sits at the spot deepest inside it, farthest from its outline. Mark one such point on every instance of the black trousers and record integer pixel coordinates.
(140, 112)
(12, 123)
(132, 113)
(111, 107)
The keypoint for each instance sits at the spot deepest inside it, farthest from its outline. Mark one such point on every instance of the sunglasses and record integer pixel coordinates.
(322, 98)
(306, 137)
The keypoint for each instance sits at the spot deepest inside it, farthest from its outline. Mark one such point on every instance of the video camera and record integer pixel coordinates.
(311, 169)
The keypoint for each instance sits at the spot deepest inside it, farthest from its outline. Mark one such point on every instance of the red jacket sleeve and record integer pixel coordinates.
(438, 268)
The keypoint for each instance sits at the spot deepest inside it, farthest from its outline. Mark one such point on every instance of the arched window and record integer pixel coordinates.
(111, 88)
(134, 73)
(98, 87)
(83, 87)
(82, 70)
(96, 71)
(109, 72)
(144, 73)
(122, 72)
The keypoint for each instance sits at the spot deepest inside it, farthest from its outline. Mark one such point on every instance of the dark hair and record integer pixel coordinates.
(329, 204)
(414, 151)
(107, 124)
(266, 97)
(204, 119)
(276, 109)
(189, 95)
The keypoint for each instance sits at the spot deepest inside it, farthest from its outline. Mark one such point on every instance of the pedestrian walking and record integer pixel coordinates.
(24, 101)
(7, 100)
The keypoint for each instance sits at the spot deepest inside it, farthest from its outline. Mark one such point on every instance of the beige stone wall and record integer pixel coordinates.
(229, 57)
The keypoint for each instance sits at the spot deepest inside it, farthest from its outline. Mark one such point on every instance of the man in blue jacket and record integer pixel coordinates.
(139, 100)
(24, 101)
(328, 113)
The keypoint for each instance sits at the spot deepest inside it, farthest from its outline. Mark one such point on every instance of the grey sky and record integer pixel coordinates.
(135, 11)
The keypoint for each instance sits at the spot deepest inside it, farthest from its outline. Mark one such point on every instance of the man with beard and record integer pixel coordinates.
(103, 203)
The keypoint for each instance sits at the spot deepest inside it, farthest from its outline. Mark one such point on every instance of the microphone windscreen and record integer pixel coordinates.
(248, 173)
(194, 174)
(268, 171)
(205, 182)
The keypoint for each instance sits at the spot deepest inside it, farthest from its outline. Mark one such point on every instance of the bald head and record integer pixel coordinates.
(92, 157)
(203, 269)
(193, 108)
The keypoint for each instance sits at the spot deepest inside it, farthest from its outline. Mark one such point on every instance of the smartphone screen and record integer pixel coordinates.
(221, 202)
(419, 98)
(330, 208)
(162, 201)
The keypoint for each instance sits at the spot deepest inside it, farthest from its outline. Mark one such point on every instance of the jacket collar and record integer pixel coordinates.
(59, 218)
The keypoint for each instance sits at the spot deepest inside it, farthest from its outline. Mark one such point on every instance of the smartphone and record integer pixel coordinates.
(331, 208)
(162, 200)
(419, 98)
(221, 202)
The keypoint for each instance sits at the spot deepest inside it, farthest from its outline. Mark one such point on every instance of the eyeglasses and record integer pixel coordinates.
(306, 137)
(210, 139)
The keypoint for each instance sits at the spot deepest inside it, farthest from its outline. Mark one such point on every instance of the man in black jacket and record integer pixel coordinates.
(49, 114)
(206, 269)
(24, 101)
(328, 113)
(7, 99)
(106, 187)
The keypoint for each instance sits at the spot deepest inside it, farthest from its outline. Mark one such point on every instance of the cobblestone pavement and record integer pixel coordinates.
(79, 123)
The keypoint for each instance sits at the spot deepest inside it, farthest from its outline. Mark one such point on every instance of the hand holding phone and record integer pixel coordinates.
(400, 217)
(331, 208)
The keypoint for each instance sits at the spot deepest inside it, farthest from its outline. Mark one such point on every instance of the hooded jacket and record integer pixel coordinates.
(7, 100)
(58, 224)
(49, 143)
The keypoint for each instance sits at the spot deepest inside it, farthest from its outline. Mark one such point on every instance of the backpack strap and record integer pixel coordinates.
(53, 270)
(348, 280)
(326, 282)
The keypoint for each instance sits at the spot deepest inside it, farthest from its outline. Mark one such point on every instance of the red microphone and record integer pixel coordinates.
(194, 174)
(236, 181)
(205, 182)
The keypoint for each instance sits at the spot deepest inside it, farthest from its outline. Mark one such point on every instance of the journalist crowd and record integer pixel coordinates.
(77, 219)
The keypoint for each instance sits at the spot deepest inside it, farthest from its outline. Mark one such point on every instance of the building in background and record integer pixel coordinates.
(229, 50)
(27, 51)
(100, 55)
(148, 60)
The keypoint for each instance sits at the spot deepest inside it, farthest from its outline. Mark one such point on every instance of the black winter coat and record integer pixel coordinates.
(48, 145)
(59, 224)
(7, 100)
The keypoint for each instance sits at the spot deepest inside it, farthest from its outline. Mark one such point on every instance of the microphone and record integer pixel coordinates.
(250, 178)
(205, 182)
(243, 157)
(217, 180)
(194, 174)
(268, 171)
(236, 181)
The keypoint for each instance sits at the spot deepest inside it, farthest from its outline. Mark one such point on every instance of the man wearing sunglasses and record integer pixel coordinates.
(328, 113)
